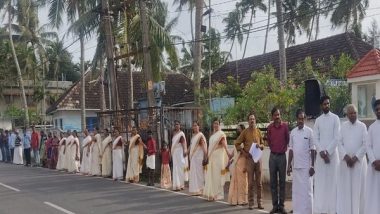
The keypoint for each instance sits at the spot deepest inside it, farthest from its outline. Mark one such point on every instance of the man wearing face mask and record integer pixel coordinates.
(352, 167)
(326, 135)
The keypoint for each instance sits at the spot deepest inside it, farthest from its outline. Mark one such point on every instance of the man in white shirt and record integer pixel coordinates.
(326, 136)
(352, 167)
(302, 153)
(372, 189)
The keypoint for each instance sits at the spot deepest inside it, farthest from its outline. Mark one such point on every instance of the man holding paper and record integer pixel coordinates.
(301, 163)
(249, 136)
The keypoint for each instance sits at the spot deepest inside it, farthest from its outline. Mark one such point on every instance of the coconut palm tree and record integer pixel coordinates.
(349, 13)
(73, 9)
(161, 40)
(190, 4)
(251, 6)
(234, 28)
(10, 9)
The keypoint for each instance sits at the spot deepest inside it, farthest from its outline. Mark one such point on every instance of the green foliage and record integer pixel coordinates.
(17, 116)
(340, 67)
(230, 89)
(265, 91)
(14, 112)
(261, 94)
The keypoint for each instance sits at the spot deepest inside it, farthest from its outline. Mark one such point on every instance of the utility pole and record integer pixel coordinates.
(107, 27)
(146, 46)
(209, 52)
(281, 42)
(197, 50)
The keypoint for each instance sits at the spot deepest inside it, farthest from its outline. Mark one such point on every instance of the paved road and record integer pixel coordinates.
(40, 191)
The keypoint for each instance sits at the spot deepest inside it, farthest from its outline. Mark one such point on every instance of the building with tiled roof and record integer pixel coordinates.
(364, 78)
(65, 111)
(322, 49)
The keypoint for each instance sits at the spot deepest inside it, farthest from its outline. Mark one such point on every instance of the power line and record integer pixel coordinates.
(220, 3)
(263, 27)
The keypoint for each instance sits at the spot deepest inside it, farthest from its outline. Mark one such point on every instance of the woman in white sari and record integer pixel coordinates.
(135, 158)
(117, 156)
(179, 157)
(198, 155)
(74, 154)
(107, 154)
(86, 153)
(218, 158)
(61, 154)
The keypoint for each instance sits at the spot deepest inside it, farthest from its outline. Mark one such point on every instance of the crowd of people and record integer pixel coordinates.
(335, 167)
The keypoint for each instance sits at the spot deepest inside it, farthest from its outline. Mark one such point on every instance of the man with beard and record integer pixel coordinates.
(372, 195)
(326, 136)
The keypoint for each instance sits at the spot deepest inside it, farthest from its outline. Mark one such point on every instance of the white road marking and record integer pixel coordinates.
(58, 207)
(9, 187)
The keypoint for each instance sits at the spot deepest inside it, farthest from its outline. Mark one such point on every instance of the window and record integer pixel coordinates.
(91, 123)
(61, 124)
(366, 97)
(56, 123)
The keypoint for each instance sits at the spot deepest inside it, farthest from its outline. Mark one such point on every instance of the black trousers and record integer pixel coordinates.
(27, 156)
(12, 154)
(277, 171)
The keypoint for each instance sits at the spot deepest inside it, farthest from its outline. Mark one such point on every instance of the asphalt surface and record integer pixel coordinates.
(40, 191)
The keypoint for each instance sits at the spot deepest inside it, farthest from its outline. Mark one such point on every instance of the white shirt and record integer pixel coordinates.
(352, 139)
(326, 132)
(301, 142)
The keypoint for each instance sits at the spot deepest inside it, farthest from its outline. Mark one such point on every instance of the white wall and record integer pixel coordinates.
(71, 118)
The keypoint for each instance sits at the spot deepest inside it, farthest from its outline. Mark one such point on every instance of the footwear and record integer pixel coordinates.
(282, 210)
(250, 207)
(260, 207)
(274, 210)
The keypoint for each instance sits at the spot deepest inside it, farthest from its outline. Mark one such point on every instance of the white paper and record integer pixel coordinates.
(255, 152)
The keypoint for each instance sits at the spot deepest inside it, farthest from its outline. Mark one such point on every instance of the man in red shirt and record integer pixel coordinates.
(35, 144)
(278, 140)
(151, 158)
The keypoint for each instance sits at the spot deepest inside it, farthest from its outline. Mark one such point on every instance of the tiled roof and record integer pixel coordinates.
(368, 65)
(178, 87)
(321, 49)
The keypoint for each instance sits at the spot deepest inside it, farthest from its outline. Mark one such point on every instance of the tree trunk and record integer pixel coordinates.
(83, 85)
(147, 60)
(102, 92)
(311, 28)
(267, 30)
(107, 27)
(249, 30)
(229, 53)
(197, 50)
(281, 42)
(191, 23)
(19, 74)
(317, 23)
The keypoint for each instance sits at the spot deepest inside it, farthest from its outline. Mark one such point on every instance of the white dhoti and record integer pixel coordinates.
(302, 192)
(350, 188)
(151, 161)
(17, 155)
(325, 180)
